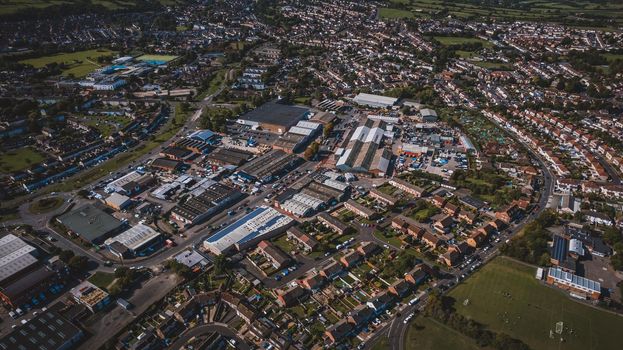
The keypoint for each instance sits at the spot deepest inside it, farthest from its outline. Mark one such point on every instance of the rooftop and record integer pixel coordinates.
(89, 222)
(277, 114)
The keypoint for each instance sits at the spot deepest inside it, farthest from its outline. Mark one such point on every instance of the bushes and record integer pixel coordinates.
(531, 247)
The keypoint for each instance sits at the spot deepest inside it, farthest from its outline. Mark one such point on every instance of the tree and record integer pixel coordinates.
(66, 255)
(328, 129)
(311, 151)
(220, 264)
(78, 263)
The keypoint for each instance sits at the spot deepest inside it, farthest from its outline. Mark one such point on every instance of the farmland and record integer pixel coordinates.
(505, 297)
(581, 12)
(78, 63)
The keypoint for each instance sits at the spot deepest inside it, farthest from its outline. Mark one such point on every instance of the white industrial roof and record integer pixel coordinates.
(363, 98)
(15, 256)
(135, 237)
(129, 177)
(117, 199)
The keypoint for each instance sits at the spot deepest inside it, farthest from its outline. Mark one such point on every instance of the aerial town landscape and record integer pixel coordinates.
(311, 174)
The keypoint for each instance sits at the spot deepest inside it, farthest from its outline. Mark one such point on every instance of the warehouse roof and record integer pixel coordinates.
(48, 330)
(15, 256)
(277, 114)
(89, 222)
(135, 237)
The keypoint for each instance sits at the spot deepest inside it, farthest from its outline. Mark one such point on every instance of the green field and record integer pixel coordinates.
(12, 6)
(591, 14)
(107, 124)
(163, 58)
(45, 205)
(426, 333)
(459, 40)
(390, 13)
(102, 279)
(506, 297)
(78, 63)
(20, 159)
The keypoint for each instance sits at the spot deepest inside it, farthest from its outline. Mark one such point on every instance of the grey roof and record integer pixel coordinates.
(277, 114)
(49, 330)
(89, 222)
(15, 256)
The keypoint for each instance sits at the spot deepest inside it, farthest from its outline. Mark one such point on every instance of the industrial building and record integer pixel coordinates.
(364, 152)
(118, 201)
(90, 224)
(130, 184)
(261, 223)
(274, 117)
(48, 330)
(376, 101)
(229, 156)
(22, 276)
(273, 163)
(139, 240)
(205, 200)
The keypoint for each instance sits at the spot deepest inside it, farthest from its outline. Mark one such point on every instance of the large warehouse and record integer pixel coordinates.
(376, 101)
(262, 223)
(363, 153)
(90, 224)
(138, 240)
(274, 117)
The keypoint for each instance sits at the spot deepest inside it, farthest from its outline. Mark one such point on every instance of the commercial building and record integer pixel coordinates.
(206, 200)
(229, 156)
(578, 286)
(273, 163)
(139, 240)
(376, 101)
(261, 223)
(130, 184)
(90, 224)
(363, 152)
(89, 295)
(274, 117)
(118, 201)
(48, 330)
(22, 276)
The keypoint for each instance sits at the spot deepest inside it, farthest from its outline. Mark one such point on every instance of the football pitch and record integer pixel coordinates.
(506, 297)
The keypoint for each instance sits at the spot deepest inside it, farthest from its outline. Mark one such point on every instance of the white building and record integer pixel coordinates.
(375, 100)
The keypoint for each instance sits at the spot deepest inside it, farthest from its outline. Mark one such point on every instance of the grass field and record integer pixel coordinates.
(78, 63)
(507, 298)
(157, 58)
(107, 124)
(12, 6)
(390, 13)
(19, 159)
(45, 205)
(426, 333)
(459, 40)
(102, 279)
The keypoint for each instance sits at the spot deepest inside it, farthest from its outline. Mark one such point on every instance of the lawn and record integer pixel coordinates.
(102, 279)
(460, 40)
(78, 63)
(507, 298)
(427, 333)
(20, 159)
(45, 205)
(394, 13)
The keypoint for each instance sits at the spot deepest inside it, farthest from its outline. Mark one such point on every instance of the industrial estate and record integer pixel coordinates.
(315, 174)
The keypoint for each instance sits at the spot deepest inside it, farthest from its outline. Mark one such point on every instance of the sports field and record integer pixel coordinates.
(78, 63)
(156, 58)
(19, 159)
(507, 298)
